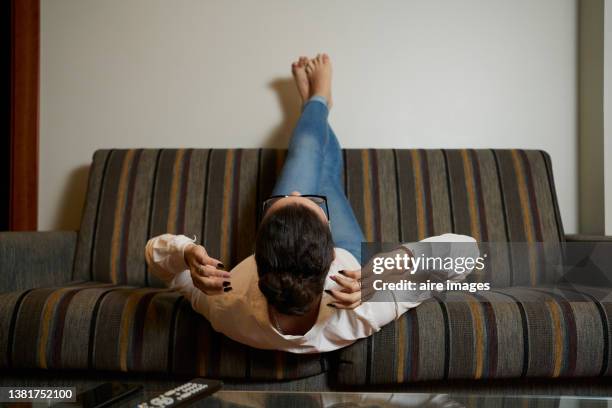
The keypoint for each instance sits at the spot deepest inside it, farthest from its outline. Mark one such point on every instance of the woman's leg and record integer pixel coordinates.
(314, 161)
(346, 231)
(303, 165)
(313, 166)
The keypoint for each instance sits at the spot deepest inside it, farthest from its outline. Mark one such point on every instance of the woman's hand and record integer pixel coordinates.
(205, 271)
(357, 289)
(349, 297)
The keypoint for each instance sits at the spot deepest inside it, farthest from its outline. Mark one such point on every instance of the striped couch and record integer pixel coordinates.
(87, 301)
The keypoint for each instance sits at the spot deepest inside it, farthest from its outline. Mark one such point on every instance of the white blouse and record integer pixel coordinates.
(242, 314)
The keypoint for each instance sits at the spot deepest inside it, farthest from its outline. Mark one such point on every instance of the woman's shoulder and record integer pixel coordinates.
(243, 282)
(247, 264)
(244, 273)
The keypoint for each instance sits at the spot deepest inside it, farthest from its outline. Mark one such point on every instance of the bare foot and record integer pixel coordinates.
(298, 69)
(319, 73)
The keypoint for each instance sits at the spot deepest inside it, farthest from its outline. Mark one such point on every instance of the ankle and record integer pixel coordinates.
(318, 98)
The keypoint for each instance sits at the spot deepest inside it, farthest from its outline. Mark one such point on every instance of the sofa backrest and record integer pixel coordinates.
(397, 195)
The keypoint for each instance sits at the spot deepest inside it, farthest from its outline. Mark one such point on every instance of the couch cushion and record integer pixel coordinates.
(117, 328)
(398, 195)
(515, 332)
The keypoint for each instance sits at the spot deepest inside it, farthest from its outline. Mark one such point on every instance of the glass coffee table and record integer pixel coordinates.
(264, 399)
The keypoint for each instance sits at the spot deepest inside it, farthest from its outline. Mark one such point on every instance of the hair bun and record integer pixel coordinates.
(292, 294)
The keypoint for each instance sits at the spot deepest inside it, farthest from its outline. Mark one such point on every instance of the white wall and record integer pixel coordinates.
(200, 73)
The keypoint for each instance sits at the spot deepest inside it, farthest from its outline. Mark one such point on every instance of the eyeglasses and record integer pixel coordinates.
(319, 200)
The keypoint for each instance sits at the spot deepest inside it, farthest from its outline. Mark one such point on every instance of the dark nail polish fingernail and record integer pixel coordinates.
(342, 272)
(226, 284)
(220, 265)
(329, 292)
(331, 305)
(227, 289)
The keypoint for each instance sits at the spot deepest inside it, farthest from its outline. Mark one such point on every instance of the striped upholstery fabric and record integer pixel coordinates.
(118, 328)
(397, 195)
(492, 195)
(509, 333)
(134, 195)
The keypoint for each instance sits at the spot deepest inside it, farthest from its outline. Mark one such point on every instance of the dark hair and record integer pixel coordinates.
(293, 252)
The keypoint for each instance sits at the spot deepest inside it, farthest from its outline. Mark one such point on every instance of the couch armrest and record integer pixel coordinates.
(35, 259)
(587, 238)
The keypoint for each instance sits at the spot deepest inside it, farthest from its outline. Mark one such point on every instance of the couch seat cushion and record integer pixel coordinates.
(91, 325)
(513, 332)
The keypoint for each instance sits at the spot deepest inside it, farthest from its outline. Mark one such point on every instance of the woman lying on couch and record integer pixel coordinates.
(301, 290)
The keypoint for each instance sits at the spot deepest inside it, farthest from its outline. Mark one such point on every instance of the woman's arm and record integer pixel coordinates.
(440, 248)
(165, 255)
(356, 285)
(186, 267)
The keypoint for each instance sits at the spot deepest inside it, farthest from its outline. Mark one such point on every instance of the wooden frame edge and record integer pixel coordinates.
(25, 80)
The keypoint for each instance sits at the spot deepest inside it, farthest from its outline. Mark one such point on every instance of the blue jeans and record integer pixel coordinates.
(313, 166)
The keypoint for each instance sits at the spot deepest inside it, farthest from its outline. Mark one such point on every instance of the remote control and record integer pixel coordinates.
(184, 394)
